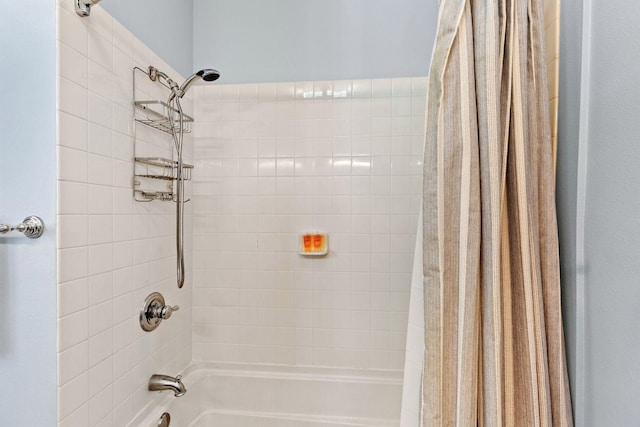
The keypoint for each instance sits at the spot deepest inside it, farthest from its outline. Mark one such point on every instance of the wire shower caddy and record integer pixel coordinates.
(161, 116)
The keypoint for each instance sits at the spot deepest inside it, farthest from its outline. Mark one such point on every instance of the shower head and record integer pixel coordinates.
(208, 75)
(83, 7)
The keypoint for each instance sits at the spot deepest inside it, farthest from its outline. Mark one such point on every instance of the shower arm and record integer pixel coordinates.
(83, 7)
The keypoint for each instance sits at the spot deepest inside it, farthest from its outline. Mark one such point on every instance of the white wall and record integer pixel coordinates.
(27, 176)
(292, 40)
(112, 251)
(275, 160)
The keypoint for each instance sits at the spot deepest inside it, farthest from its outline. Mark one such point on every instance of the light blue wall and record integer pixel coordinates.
(599, 207)
(567, 167)
(612, 217)
(297, 40)
(166, 26)
(28, 186)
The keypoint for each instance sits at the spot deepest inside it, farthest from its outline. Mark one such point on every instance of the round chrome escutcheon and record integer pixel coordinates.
(148, 320)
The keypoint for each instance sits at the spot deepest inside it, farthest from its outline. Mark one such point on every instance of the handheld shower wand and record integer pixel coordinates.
(177, 92)
(208, 75)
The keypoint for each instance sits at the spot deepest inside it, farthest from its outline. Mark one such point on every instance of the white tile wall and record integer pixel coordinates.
(412, 384)
(112, 252)
(275, 160)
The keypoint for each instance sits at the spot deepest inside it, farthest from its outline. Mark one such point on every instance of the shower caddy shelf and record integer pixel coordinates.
(158, 168)
(155, 114)
(161, 168)
(158, 115)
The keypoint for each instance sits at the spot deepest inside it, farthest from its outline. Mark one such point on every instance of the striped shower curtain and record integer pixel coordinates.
(494, 347)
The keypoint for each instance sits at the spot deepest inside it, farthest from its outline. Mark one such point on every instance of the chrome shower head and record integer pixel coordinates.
(83, 7)
(208, 75)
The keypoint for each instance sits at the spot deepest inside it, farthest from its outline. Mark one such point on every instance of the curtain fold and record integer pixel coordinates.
(494, 346)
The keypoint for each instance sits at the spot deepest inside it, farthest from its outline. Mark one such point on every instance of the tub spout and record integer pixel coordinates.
(165, 382)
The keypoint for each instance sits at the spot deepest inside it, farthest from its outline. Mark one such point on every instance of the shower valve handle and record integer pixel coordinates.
(155, 311)
(166, 311)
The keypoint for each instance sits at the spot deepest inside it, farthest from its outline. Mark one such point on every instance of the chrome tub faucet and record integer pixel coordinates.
(159, 382)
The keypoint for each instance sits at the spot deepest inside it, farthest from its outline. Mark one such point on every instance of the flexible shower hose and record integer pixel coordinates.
(178, 135)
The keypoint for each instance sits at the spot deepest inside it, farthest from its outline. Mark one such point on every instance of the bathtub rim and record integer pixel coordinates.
(154, 409)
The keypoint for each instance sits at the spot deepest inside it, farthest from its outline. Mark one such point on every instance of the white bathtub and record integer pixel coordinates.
(234, 395)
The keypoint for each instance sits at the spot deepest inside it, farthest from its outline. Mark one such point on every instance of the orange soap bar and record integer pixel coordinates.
(307, 242)
(313, 244)
(318, 242)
